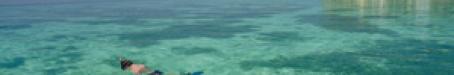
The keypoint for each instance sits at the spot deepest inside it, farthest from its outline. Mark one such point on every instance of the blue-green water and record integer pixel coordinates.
(228, 37)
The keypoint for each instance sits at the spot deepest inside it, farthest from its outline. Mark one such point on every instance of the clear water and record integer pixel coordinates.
(228, 37)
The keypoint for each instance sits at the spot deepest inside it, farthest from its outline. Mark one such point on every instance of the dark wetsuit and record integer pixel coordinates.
(156, 72)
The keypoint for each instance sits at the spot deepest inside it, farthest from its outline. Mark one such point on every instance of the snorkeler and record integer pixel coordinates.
(139, 69)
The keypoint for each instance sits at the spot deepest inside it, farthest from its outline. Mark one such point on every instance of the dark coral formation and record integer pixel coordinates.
(141, 39)
(59, 59)
(12, 27)
(333, 62)
(8, 23)
(382, 17)
(415, 57)
(119, 21)
(63, 37)
(193, 50)
(12, 62)
(280, 36)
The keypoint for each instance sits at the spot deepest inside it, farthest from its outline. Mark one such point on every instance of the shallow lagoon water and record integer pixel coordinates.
(228, 37)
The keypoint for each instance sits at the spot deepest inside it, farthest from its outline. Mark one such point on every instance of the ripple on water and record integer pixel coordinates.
(345, 24)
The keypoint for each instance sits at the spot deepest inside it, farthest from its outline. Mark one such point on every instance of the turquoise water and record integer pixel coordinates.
(228, 37)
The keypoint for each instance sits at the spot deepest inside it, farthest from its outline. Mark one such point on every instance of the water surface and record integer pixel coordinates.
(228, 37)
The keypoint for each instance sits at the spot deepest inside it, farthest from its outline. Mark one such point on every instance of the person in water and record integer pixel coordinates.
(139, 69)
